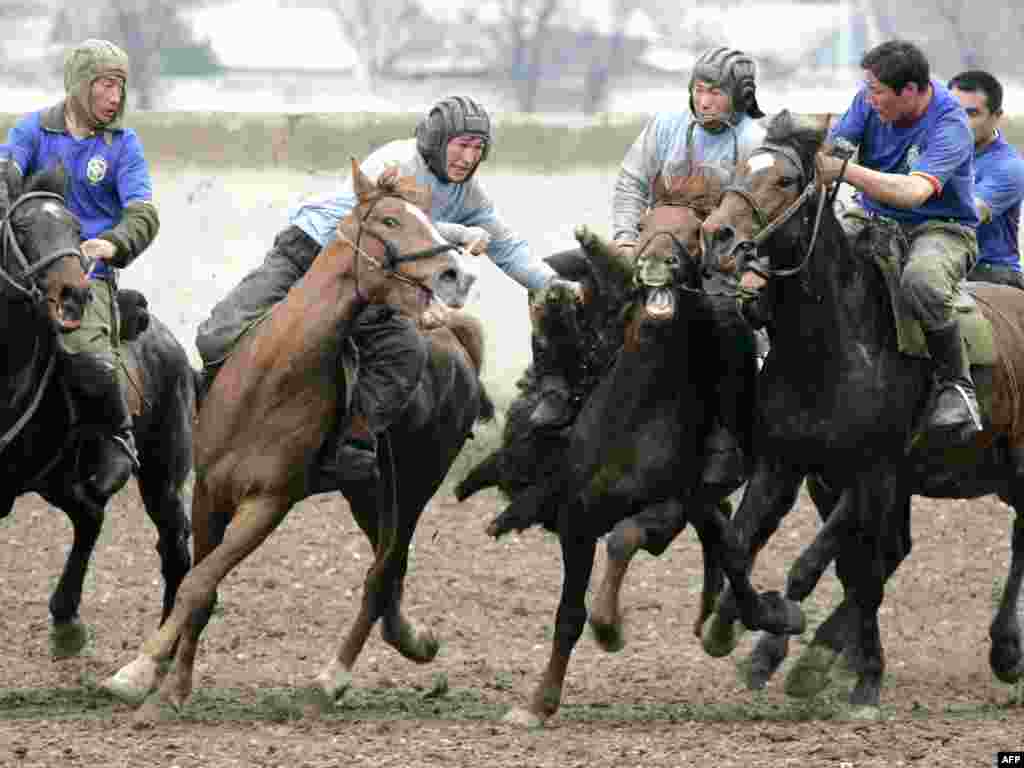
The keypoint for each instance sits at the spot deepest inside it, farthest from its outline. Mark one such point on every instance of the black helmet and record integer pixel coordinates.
(451, 117)
(734, 72)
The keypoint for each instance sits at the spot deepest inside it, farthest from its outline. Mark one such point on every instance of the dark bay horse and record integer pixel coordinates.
(46, 443)
(837, 397)
(633, 459)
(263, 421)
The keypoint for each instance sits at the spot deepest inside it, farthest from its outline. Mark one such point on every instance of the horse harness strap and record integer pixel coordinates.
(392, 257)
(33, 406)
(10, 244)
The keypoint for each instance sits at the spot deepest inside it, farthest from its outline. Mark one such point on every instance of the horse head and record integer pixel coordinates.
(400, 257)
(668, 249)
(766, 196)
(40, 255)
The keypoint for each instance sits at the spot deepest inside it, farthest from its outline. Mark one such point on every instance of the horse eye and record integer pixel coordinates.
(639, 228)
(390, 221)
(786, 181)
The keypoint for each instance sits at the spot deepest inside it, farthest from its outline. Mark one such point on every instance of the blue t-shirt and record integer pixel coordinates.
(102, 177)
(938, 146)
(999, 181)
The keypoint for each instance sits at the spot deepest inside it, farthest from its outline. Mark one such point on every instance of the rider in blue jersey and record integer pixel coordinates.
(110, 191)
(998, 180)
(915, 167)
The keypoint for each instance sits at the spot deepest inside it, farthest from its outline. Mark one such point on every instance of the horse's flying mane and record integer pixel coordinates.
(790, 130)
(391, 183)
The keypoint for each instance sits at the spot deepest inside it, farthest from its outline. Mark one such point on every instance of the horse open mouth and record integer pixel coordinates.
(661, 303)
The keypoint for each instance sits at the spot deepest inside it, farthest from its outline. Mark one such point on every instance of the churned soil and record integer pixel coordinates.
(659, 702)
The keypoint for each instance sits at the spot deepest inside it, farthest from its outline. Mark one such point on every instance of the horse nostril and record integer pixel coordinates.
(724, 235)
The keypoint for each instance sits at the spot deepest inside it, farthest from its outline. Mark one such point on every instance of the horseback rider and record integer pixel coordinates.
(449, 144)
(915, 167)
(719, 128)
(998, 179)
(110, 191)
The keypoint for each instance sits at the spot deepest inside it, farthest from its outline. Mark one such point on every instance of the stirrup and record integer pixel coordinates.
(127, 442)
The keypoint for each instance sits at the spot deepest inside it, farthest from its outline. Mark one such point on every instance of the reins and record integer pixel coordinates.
(392, 257)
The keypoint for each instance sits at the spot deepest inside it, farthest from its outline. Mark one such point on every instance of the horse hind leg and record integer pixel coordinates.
(162, 486)
(1006, 657)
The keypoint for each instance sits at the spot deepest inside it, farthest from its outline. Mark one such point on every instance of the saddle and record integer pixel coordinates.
(889, 252)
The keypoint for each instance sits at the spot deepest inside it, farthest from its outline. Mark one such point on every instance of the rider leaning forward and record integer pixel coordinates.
(450, 142)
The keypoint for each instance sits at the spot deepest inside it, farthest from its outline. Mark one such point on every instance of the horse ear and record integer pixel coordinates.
(60, 178)
(360, 182)
(10, 183)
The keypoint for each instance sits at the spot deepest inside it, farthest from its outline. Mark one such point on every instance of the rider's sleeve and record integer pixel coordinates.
(509, 252)
(852, 124)
(631, 197)
(140, 220)
(22, 141)
(950, 145)
(1003, 185)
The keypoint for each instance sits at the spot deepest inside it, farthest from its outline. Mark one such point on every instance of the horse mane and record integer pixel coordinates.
(391, 183)
(789, 129)
(700, 191)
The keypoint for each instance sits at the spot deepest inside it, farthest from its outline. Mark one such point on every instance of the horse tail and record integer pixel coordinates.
(470, 333)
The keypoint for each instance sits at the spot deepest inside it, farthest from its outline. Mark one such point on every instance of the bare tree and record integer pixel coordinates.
(521, 36)
(141, 27)
(378, 30)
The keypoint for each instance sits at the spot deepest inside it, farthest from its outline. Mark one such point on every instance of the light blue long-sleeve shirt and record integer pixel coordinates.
(463, 204)
(668, 147)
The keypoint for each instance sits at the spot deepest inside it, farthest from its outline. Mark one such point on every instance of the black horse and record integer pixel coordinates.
(837, 398)
(47, 445)
(634, 452)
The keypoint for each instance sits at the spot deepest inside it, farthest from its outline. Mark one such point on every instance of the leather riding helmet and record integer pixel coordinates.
(451, 117)
(84, 64)
(734, 72)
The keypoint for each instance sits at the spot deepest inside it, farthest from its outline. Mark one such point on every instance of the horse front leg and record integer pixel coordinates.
(578, 551)
(652, 529)
(769, 496)
(254, 520)
(1006, 657)
(68, 635)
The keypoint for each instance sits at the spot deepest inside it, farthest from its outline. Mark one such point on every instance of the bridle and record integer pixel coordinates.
(392, 257)
(32, 292)
(678, 247)
(767, 228)
(29, 273)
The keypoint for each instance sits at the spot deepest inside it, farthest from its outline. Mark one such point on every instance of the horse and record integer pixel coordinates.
(276, 399)
(839, 399)
(47, 446)
(633, 456)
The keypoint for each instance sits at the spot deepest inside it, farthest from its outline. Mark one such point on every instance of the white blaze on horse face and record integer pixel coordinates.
(760, 162)
(466, 268)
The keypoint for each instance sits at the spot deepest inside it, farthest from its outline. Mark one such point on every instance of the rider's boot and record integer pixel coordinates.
(955, 417)
(117, 455)
(555, 409)
(355, 461)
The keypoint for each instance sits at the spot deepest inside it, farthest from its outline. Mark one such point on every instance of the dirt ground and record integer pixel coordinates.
(659, 702)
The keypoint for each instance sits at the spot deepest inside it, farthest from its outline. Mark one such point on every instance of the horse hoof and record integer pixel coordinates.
(720, 638)
(610, 637)
(329, 686)
(134, 681)
(1006, 662)
(864, 714)
(583, 235)
(809, 675)
(67, 639)
(782, 616)
(153, 711)
(522, 718)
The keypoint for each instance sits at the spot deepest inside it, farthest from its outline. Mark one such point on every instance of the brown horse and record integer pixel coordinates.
(273, 403)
